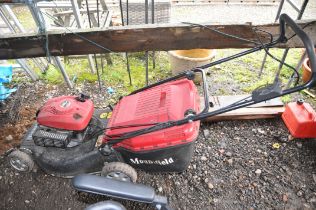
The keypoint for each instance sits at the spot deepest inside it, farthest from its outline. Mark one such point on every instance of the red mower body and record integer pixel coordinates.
(66, 112)
(300, 119)
(166, 102)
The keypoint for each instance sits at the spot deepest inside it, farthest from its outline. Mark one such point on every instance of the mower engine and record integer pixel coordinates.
(63, 140)
(64, 122)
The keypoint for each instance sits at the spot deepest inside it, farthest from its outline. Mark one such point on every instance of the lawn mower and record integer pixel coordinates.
(153, 128)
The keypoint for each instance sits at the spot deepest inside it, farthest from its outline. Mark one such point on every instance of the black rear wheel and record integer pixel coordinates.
(119, 171)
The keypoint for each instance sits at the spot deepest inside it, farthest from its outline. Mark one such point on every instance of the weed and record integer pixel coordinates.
(286, 99)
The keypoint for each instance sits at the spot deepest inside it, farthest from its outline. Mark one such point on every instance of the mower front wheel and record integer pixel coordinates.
(119, 171)
(21, 161)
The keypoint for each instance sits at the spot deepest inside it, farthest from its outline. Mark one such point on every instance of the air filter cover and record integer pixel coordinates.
(66, 112)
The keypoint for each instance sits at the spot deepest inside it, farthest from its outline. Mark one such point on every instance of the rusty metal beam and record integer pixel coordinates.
(142, 38)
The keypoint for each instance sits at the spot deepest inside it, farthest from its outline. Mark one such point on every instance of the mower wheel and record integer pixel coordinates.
(119, 171)
(21, 161)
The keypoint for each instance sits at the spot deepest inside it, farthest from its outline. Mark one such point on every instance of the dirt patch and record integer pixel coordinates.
(23, 105)
(13, 132)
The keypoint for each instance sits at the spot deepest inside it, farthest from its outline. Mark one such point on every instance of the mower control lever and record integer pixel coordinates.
(267, 92)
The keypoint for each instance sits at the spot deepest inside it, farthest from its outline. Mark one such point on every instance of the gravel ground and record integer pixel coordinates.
(236, 13)
(232, 13)
(235, 165)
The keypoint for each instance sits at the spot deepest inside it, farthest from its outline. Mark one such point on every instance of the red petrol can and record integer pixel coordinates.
(300, 119)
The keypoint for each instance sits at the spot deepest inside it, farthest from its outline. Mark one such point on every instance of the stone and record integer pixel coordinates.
(210, 185)
(314, 177)
(9, 138)
(229, 154)
(258, 172)
(203, 158)
(230, 161)
(206, 133)
(290, 138)
(261, 131)
(306, 206)
(27, 201)
(285, 198)
(299, 193)
(159, 189)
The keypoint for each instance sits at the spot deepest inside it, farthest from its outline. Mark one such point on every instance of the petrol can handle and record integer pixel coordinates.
(310, 111)
(308, 43)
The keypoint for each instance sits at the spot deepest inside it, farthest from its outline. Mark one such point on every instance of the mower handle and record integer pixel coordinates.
(308, 44)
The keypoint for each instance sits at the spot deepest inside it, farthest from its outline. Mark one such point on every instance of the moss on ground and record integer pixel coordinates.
(245, 70)
(114, 75)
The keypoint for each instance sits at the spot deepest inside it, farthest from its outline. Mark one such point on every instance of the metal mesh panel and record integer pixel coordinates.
(136, 12)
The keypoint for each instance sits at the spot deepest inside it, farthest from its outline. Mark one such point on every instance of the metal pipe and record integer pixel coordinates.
(58, 63)
(19, 26)
(76, 12)
(40, 22)
(294, 5)
(146, 53)
(126, 54)
(279, 10)
(94, 55)
(153, 21)
(22, 62)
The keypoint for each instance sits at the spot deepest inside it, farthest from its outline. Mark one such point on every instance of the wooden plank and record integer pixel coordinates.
(248, 114)
(141, 38)
(268, 109)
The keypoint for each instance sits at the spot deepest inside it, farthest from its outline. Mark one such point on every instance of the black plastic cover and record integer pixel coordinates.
(109, 187)
(168, 159)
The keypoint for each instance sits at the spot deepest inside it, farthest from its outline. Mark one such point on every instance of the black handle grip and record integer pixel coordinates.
(308, 43)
